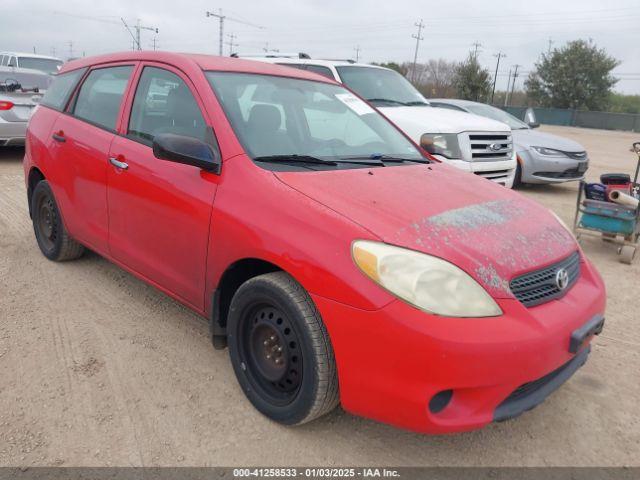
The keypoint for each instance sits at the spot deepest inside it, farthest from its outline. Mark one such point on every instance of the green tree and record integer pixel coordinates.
(471, 81)
(575, 76)
(400, 68)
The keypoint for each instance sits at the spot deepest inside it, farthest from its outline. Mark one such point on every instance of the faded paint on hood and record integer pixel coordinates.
(487, 230)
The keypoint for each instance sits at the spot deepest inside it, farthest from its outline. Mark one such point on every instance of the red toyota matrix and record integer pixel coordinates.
(336, 259)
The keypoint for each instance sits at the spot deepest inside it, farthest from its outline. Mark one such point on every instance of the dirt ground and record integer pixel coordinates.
(97, 368)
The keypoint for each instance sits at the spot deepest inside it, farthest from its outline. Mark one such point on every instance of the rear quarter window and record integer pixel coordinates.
(59, 91)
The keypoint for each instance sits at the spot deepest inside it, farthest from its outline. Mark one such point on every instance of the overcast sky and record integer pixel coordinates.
(334, 28)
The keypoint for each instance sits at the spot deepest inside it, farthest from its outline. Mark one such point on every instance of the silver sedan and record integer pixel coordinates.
(542, 157)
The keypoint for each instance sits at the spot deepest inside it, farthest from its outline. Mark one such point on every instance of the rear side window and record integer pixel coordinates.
(59, 91)
(3, 60)
(164, 104)
(100, 96)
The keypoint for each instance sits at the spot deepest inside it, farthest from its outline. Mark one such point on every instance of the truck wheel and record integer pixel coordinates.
(517, 178)
(280, 350)
(53, 239)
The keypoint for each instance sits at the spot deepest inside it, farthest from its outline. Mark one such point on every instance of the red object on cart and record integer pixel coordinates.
(616, 181)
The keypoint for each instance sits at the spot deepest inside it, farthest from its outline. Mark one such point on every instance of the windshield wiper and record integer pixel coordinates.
(387, 100)
(294, 158)
(386, 158)
(417, 103)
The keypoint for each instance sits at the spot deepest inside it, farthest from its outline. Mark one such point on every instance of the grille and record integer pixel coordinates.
(482, 143)
(540, 286)
(496, 175)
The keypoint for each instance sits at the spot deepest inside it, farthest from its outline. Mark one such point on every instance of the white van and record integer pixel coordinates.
(470, 142)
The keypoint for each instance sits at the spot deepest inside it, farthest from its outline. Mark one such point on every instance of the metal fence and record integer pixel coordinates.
(581, 118)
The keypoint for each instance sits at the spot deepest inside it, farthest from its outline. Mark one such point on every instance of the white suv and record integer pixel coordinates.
(470, 142)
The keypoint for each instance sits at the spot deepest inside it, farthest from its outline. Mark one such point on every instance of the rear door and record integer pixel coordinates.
(159, 211)
(80, 145)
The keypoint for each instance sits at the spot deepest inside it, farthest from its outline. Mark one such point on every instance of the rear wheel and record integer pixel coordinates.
(280, 350)
(53, 239)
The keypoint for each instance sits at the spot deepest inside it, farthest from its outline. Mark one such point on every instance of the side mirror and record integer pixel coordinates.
(186, 150)
(530, 118)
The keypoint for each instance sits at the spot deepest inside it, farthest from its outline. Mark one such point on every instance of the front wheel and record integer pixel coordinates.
(280, 350)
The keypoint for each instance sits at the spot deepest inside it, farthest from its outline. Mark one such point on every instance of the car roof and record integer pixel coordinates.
(30, 55)
(186, 61)
(312, 61)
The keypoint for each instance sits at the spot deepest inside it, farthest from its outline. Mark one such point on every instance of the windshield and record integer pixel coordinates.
(46, 65)
(497, 114)
(381, 86)
(279, 116)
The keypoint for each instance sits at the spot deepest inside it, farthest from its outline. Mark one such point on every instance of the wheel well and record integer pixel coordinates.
(234, 276)
(35, 177)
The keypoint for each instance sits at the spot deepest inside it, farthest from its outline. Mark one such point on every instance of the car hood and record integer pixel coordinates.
(416, 121)
(487, 230)
(526, 138)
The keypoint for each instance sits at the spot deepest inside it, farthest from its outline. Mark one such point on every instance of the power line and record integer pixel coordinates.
(418, 38)
(222, 18)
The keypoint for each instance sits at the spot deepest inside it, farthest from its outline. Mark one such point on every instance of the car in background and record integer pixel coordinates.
(20, 92)
(30, 61)
(470, 142)
(542, 157)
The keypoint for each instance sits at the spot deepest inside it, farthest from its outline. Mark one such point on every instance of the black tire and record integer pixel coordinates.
(53, 239)
(517, 178)
(271, 312)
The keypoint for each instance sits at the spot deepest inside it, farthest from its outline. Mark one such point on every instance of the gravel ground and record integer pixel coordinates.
(98, 368)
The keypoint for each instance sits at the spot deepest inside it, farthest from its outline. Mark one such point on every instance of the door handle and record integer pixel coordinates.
(59, 137)
(118, 164)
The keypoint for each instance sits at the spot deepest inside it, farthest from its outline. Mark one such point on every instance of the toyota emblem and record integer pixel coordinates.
(562, 279)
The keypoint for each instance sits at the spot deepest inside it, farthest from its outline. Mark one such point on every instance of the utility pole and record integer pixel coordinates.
(138, 27)
(551, 42)
(154, 43)
(506, 93)
(475, 46)
(222, 18)
(231, 43)
(418, 38)
(357, 49)
(34, 49)
(515, 76)
(495, 76)
(53, 51)
(70, 48)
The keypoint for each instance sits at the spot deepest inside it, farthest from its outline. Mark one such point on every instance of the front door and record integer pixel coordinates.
(159, 211)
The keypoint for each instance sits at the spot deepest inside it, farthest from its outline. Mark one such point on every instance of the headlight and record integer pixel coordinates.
(549, 152)
(428, 283)
(446, 145)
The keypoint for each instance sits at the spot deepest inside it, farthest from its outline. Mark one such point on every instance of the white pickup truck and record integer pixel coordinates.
(470, 142)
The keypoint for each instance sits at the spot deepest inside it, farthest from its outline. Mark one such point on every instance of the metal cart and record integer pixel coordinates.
(611, 221)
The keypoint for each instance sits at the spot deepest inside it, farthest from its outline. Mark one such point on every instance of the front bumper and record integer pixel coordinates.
(502, 171)
(538, 168)
(392, 362)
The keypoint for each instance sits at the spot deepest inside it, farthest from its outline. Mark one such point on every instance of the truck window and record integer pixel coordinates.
(322, 70)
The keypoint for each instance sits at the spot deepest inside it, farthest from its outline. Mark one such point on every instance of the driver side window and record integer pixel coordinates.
(163, 103)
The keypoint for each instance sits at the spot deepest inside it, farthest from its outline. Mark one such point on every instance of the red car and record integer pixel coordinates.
(338, 261)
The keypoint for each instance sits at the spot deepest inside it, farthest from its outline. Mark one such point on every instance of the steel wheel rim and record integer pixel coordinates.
(271, 354)
(47, 223)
